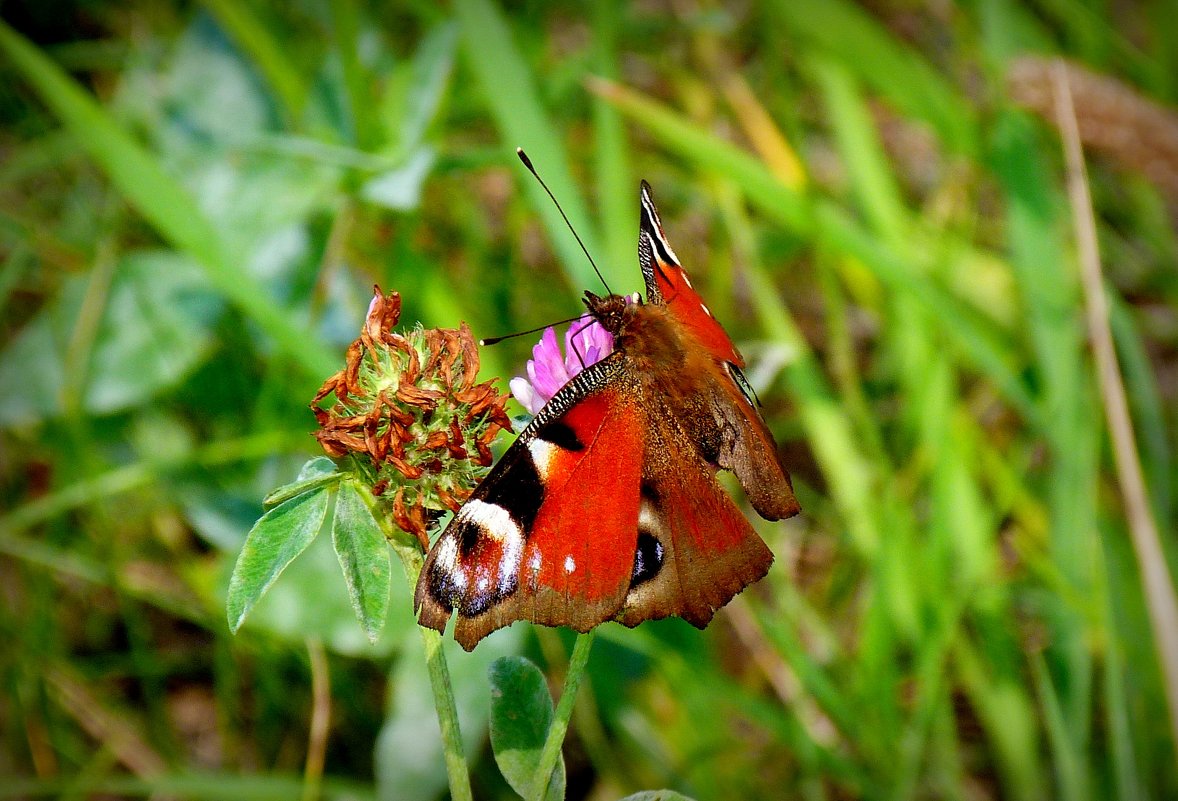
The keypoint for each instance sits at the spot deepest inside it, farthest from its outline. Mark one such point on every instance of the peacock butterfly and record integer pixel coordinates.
(607, 506)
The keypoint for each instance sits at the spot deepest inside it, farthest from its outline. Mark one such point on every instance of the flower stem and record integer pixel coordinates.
(560, 720)
(439, 679)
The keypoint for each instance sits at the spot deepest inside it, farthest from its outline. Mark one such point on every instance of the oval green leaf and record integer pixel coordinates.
(276, 539)
(521, 713)
(363, 555)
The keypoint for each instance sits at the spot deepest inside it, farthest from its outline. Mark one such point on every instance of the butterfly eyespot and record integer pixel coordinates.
(648, 556)
(491, 520)
(648, 559)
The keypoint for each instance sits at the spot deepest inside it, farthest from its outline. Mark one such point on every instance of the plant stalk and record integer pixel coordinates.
(457, 772)
(560, 720)
(1157, 584)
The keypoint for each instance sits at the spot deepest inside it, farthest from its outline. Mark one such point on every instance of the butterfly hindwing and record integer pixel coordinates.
(747, 448)
(695, 548)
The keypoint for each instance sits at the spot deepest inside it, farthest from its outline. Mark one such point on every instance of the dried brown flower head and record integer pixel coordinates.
(408, 408)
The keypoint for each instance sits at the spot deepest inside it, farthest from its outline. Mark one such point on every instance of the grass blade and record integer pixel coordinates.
(616, 189)
(510, 90)
(1157, 583)
(849, 34)
(833, 227)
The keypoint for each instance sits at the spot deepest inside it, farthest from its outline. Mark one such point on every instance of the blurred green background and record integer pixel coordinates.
(196, 199)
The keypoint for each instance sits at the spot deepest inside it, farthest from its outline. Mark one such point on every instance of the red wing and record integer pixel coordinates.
(667, 284)
(746, 446)
(695, 548)
(549, 535)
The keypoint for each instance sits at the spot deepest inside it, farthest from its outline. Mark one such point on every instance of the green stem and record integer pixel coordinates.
(560, 721)
(439, 680)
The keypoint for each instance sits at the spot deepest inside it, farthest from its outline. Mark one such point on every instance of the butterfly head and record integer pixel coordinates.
(612, 311)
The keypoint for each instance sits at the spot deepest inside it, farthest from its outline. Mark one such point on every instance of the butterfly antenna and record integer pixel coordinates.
(497, 340)
(519, 151)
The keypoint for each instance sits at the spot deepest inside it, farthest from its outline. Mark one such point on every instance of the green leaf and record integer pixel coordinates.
(140, 177)
(316, 467)
(253, 36)
(154, 329)
(363, 556)
(399, 189)
(211, 92)
(521, 713)
(657, 795)
(276, 539)
(311, 600)
(316, 472)
(31, 396)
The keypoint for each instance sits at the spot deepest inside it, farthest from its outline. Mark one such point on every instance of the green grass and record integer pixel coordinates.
(196, 201)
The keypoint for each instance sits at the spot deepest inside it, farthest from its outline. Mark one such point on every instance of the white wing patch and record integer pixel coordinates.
(495, 522)
(541, 450)
(447, 559)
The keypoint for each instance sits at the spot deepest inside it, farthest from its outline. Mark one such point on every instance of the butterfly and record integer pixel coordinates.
(607, 506)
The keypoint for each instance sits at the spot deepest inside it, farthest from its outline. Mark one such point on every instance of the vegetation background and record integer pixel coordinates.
(196, 199)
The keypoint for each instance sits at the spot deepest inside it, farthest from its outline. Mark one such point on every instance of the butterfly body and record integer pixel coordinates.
(607, 506)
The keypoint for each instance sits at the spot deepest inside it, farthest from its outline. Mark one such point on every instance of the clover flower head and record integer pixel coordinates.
(549, 369)
(408, 409)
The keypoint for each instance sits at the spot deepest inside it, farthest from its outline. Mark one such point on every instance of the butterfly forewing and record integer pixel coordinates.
(667, 284)
(747, 447)
(549, 535)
